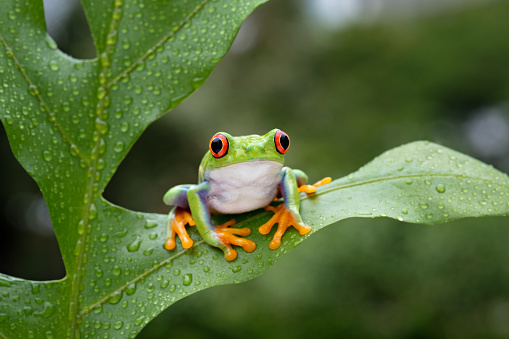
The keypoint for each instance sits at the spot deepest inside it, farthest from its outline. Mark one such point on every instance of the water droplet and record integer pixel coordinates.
(237, 269)
(124, 127)
(150, 224)
(187, 279)
(103, 237)
(92, 212)
(134, 246)
(176, 272)
(151, 287)
(115, 298)
(47, 155)
(53, 65)
(131, 289)
(116, 270)
(118, 324)
(119, 147)
(47, 311)
(440, 188)
(423, 205)
(139, 320)
(101, 126)
(404, 211)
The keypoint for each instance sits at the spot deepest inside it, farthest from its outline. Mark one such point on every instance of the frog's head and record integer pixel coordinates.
(225, 149)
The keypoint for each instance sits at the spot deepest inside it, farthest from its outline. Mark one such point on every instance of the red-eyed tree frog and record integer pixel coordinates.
(237, 175)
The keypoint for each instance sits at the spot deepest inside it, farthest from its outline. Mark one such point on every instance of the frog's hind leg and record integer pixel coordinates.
(178, 217)
(221, 236)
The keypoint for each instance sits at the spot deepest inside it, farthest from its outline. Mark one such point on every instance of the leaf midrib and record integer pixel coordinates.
(105, 62)
(325, 190)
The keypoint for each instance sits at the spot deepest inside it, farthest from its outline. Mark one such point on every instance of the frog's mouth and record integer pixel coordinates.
(250, 173)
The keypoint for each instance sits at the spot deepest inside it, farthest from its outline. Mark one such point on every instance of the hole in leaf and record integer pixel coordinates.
(68, 26)
(164, 156)
(28, 245)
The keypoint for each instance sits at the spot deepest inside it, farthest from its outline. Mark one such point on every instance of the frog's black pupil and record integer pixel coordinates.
(216, 145)
(284, 141)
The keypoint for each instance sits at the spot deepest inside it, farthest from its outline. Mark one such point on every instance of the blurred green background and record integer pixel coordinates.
(346, 80)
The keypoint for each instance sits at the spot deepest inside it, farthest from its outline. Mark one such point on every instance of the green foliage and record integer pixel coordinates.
(71, 122)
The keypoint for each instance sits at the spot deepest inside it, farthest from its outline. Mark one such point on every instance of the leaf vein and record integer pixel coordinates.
(145, 274)
(50, 115)
(395, 177)
(152, 50)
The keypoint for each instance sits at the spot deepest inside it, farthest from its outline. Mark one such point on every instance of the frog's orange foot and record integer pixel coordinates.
(284, 219)
(181, 218)
(312, 188)
(228, 237)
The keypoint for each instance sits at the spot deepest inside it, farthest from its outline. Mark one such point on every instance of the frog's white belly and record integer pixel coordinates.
(243, 187)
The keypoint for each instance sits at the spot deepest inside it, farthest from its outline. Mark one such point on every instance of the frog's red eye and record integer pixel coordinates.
(218, 146)
(282, 141)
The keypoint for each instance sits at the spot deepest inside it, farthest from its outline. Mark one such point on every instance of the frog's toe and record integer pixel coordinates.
(309, 189)
(284, 218)
(177, 226)
(228, 237)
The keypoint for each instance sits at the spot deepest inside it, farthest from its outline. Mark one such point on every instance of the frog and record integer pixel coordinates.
(238, 175)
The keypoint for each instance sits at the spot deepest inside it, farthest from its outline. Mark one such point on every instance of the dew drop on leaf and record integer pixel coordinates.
(115, 299)
(47, 155)
(116, 270)
(53, 65)
(131, 289)
(119, 147)
(440, 188)
(134, 246)
(187, 279)
(92, 212)
(150, 224)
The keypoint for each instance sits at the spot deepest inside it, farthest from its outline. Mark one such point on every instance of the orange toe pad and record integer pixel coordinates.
(284, 218)
(312, 188)
(228, 238)
(178, 227)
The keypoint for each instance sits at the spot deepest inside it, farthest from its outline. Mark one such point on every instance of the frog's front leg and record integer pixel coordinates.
(178, 217)
(286, 214)
(220, 236)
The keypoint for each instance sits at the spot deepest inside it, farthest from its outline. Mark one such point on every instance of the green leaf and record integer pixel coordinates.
(70, 123)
